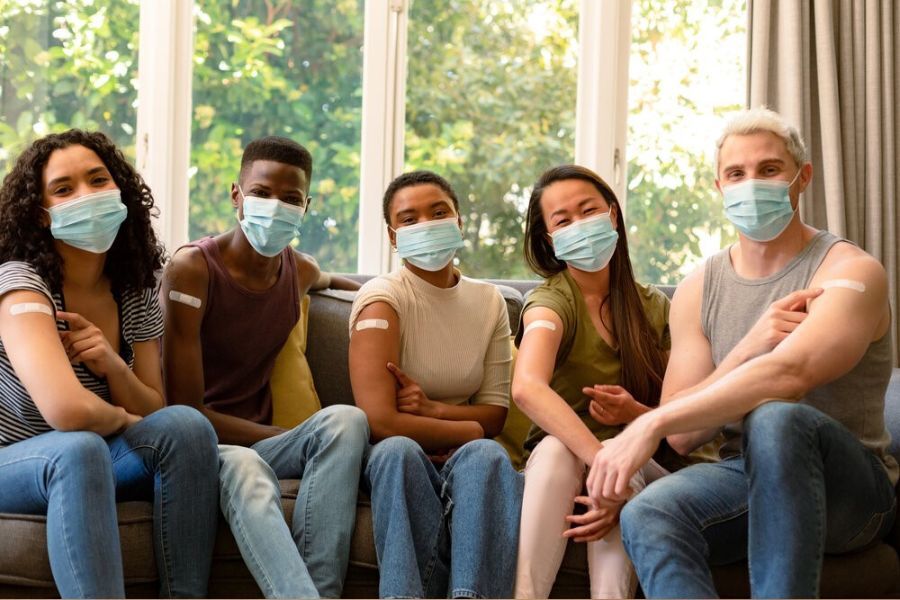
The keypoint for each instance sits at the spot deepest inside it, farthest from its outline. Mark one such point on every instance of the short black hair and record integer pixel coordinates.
(279, 149)
(411, 179)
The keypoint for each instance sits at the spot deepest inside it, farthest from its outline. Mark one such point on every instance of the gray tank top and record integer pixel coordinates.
(732, 305)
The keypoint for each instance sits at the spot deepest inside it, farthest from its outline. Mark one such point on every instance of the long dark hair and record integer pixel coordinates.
(643, 360)
(136, 255)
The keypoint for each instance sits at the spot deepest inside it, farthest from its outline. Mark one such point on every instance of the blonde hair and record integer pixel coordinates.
(759, 119)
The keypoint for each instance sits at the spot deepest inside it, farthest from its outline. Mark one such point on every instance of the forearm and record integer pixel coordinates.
(432, 434)
(129, 392)
(490, 417)
(238, 431)
(91, 413)
(730, 398)
(551, 413)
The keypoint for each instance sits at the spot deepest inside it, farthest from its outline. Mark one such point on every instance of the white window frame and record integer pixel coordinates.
(164, 109)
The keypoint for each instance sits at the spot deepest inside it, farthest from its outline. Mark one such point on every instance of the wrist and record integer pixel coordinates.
(438, 410)
(655, 423)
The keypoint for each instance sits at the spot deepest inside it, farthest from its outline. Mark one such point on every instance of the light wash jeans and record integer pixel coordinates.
(448, 533)
(325, 452)
(76, 477)
(804, 486)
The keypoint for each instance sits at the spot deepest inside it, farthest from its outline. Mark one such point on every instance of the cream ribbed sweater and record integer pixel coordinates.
(453, 342)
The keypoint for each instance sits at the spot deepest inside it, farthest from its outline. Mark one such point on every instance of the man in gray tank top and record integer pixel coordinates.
(782, 341)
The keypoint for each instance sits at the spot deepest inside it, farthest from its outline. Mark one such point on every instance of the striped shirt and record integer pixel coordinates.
(140, 320)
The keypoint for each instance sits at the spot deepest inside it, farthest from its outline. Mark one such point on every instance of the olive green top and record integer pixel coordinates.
(584, 359)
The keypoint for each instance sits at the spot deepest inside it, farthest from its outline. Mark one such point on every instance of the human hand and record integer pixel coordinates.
(596, 522)
(410, 397)
(778, 321)
(620, 458)
(613, 405)
(85, 343)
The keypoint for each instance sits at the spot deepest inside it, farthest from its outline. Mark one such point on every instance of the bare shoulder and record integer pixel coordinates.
(307, 270)
(851, 265)
(690, 290)
(187, 268)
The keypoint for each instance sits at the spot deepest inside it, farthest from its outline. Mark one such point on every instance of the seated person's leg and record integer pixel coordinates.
(814, 488)
(171, 456)
(68, 476)
(553, 477)
(486, 495)
(682, 523)
(326, 453)
(408, 520)
(250, 498)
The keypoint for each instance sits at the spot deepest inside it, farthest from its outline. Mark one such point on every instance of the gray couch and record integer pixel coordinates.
(25, 570)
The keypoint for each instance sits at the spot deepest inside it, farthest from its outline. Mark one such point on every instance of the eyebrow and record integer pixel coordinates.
(90, 172)
(580, 204)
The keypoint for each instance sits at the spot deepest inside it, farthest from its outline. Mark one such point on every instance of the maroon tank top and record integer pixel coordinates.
(242, 333)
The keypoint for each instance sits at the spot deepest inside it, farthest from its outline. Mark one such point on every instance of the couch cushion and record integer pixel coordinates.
(23, 553)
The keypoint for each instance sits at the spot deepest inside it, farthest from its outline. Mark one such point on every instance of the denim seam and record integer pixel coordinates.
(309, 472)
(269, 592)
(722, 518)
(433, 557)
(465, 593)
(65, 528)
(163, 535)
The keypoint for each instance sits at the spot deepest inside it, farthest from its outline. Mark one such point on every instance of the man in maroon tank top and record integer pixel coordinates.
(231, 303)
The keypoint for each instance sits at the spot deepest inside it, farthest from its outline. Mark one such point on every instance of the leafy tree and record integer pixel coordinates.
(66, 64)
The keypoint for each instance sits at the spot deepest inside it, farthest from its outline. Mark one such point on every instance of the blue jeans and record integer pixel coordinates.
(75, 478)
(325, 452)
(804, 486)
(448, 533)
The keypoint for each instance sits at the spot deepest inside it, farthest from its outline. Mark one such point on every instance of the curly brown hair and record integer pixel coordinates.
(136, 255)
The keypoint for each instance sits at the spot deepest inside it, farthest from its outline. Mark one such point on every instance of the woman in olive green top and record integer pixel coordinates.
(593, 347)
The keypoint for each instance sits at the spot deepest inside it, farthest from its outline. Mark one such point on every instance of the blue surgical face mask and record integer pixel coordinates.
(90, 222)
(429, 245)
(270, 224)
(760, 208)
(588, 244)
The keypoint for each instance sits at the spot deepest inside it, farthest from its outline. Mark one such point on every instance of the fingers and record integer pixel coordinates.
(75, 320)
(601, 414)
(401, 377)
(797, 300)
(590, 532)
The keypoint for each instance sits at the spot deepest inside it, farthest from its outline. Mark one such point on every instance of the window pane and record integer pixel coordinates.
(280, 67)
(687, 71)
(490, 104)
(67, 64)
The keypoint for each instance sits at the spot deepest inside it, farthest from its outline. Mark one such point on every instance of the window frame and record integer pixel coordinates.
(165, 109)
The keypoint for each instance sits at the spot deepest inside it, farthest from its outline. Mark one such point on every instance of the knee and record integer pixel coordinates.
(642, 517)
(243, 471)
(79, 448)
(485, 455)
(394, 453)
(347, 425)
(186, 431)
(775, 426)
(554, 465)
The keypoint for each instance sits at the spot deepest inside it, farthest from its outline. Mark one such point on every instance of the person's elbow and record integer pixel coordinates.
(382, 425)
(791, 376)
(682, 443)
(75, 414)
(524, 391)
(494, 423)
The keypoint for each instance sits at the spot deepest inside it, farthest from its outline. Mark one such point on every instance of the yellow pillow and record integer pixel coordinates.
(294, 397)
(512, 438)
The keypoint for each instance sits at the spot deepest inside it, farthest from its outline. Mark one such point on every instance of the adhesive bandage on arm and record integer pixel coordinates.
(539, 324)
(371, 324)
(184, 299)
(850, 284)
(30, 307)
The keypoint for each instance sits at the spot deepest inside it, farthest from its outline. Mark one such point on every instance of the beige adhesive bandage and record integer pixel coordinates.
(539, 324)
(850, 284)
(184, 299)
(372, 324)
(30, 307)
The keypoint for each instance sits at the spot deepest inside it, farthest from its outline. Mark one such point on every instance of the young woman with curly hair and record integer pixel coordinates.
(82, 422)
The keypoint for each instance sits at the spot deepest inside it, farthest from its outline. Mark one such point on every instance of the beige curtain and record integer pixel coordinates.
(832, 67)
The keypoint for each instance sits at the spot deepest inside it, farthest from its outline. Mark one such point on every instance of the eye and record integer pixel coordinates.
(561, 223)
(61, 191)
(735, 175)
(589, 210)
(100, 180)
(259, 193)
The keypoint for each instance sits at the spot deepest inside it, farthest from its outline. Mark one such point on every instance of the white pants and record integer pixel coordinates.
(554, 476)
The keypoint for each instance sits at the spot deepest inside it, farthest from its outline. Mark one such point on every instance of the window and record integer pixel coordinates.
(490, 104)
(687, 72)
(279, 67)
(67, 64)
